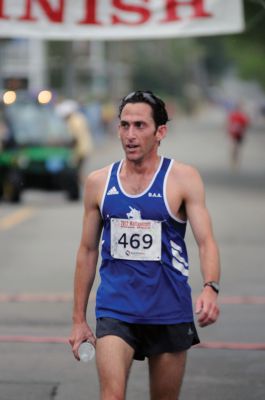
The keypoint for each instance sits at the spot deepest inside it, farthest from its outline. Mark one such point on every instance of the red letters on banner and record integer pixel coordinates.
(53, 15)
(2, 14)
(143, 13)
(172, 8)
(90, 13)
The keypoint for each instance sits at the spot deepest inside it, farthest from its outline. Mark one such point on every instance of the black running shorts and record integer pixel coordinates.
(148, 340)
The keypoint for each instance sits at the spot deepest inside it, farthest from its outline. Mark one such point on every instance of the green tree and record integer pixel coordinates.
(166, 66)
(247, 50)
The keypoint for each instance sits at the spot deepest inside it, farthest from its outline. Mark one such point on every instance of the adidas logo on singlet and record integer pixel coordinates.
(112, 191)
(154, 194)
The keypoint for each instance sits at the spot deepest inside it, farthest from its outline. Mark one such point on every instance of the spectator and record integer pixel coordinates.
(79, 129)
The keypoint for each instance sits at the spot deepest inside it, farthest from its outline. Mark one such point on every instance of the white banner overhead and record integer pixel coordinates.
(118, 19)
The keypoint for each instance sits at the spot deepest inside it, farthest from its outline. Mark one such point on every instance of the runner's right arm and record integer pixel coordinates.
(86, 263)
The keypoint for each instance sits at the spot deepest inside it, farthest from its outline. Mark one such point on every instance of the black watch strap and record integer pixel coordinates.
(214, 285)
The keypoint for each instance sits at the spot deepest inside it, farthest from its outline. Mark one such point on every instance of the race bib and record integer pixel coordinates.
(136, 239)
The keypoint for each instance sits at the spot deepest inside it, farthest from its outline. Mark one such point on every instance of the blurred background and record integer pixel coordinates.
(186, 71)
(72, 89)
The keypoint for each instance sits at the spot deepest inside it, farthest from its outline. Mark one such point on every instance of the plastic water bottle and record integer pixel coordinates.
(86, 351)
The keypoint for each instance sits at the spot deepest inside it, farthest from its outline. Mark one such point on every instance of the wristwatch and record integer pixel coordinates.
(214, 285)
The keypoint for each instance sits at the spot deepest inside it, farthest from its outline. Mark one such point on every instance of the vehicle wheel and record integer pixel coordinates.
(12, 187)
(72, 187)
(74, 193)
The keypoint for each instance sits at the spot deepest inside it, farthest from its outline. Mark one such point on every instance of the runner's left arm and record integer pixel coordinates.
(200, 221)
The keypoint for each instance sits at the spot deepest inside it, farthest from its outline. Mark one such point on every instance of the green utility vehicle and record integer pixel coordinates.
(36, 151)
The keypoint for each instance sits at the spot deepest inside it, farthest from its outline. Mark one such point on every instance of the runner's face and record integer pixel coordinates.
(138, 132)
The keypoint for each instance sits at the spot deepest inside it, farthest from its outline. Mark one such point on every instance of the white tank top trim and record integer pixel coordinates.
(165, 197)
(149, 186)
(105, 189)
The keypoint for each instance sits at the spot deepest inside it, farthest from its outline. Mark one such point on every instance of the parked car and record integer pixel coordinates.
(35, 151)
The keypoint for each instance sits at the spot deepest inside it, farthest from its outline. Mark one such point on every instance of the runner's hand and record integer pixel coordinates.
(206, 307)
(81, 332)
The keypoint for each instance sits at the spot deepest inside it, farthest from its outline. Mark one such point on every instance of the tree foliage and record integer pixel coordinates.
(170, 65)
(165, 66)
(174, 67)
(247, 50)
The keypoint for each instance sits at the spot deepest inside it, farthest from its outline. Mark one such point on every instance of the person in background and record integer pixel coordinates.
(92, 111)
(143, 305)
(80, 131)
(237, 123)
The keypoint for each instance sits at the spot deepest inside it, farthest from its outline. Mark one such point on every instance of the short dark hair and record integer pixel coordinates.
(160, 114)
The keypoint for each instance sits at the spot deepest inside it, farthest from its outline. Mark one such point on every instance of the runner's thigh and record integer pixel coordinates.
(114, 358)
(166, 374)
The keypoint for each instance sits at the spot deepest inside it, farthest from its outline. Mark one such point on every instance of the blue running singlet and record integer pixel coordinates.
(144, 269)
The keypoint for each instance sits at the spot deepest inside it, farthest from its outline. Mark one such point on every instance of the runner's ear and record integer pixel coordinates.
(161, 132)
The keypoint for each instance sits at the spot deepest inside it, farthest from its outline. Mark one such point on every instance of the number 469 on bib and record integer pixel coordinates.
(136, 239)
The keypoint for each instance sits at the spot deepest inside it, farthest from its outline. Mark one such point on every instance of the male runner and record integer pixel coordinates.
(237, 124)
(143, 305)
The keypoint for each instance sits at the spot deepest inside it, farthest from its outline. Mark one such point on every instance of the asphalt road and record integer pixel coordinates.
(38, 242)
